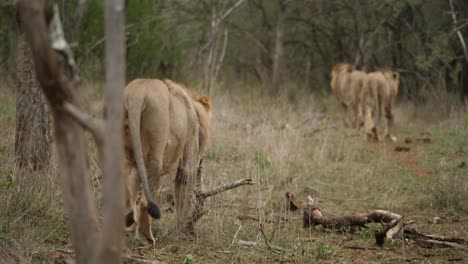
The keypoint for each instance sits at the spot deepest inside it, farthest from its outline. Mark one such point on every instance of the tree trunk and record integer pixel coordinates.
(69, 137)
(32, 136)
(210, 58)
(464, 82)
(279, 49)
(307, 69)
(113, 203)
(72, 18)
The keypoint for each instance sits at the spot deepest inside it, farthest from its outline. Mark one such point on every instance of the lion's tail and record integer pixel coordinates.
(135, 106)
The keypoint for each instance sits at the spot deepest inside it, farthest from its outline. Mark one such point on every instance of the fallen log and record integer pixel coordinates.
(392, 223)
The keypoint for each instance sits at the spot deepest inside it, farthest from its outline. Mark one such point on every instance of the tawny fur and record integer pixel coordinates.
(165, 127)
(378, 97)
(346, 84)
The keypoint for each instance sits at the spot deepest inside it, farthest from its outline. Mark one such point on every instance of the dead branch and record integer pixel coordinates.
(392, 223)
(432, 242)
(134, 260)
(252, 244)
(201, 196)
(272, 249)
(459, 34)
(315, 131)
(292, 204)
(412, 233)
(225, 187)
(256, 219)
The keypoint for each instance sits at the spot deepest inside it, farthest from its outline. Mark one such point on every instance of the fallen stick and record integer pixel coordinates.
(252, 244)
(274, 250)
(441, 243)
(317, 130)
(200, 196)
(414, 234)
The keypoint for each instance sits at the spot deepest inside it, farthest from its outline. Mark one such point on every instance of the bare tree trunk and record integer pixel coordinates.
(113, 203)
(62, 93)
(221, 56)
(307, 69)
(464, 81)
(69, 137)
(210, 69)
(210, 58)
(73, 16)
(32, 135)
(279, 49)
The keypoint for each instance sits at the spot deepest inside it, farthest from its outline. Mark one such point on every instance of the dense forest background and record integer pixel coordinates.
(277, 45)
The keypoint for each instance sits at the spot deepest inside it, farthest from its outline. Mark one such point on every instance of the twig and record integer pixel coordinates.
(252, 244)
(414, 234)
(361, 248)
(315, 131)
(441, 243)
(133, 260)
(225, 187)
(266, 241)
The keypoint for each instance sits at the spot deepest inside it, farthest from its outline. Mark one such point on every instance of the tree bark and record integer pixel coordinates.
(73, 16)
(113, 203)
(279, 49)
(69, 136)
(32, 135)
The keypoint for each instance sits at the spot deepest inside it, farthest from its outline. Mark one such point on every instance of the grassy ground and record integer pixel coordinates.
(293, 143)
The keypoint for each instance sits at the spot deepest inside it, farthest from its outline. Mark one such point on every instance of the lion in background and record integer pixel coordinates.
(378, 97)
(166, 127)
(346, 84)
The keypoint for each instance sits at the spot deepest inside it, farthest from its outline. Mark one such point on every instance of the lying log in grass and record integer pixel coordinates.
(391, 223)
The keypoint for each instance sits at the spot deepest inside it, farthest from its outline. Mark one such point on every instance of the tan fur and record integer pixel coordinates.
(165, 127)
(346, 84)
(378, 97)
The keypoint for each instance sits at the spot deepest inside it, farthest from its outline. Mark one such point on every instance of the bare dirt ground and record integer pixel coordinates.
(291, 144)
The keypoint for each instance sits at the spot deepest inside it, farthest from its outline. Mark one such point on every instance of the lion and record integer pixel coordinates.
(378, 97)
(346, 84)
(166, 126)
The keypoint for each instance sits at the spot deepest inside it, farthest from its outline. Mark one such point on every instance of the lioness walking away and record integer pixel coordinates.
(166, 127)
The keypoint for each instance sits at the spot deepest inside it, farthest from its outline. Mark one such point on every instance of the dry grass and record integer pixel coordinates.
(293, 143)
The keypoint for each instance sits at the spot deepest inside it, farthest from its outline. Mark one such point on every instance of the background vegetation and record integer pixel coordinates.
(171, 39)
(290, 142)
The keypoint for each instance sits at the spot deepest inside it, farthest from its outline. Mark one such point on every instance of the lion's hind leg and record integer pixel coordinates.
(143, 230)
(388, 128)
(182, 197)
(345, 114)
(184, 184)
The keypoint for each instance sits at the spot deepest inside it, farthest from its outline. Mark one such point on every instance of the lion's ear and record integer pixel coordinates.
(205, 101)
(396, 75)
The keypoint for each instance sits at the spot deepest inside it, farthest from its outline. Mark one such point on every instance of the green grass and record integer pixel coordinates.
(251, 140)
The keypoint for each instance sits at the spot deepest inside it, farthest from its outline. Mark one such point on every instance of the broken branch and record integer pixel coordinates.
(393, 222)
(200, 196)
(224, 188)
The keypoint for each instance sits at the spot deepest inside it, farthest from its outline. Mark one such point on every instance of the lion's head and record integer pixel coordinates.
(336, 71)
